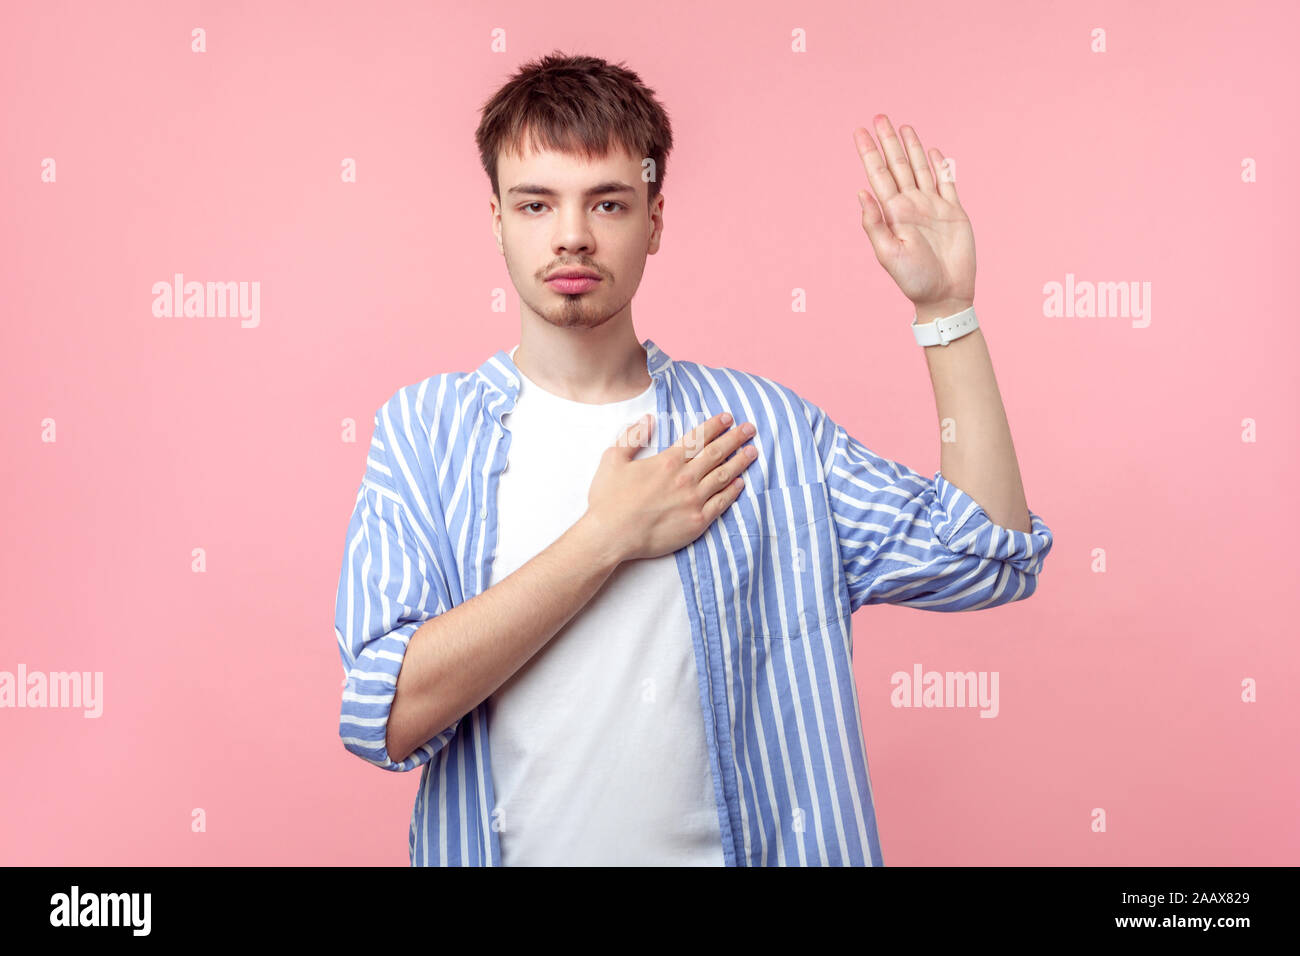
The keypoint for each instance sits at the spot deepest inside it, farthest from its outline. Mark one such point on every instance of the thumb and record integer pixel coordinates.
(635, 436)
(882, 238)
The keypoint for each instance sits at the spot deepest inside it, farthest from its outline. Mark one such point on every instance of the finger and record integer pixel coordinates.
(916, 156)
(947, 181)
(723, 499)
(693, 441)
(718, 456)
(635, 436)
(894, 152)
(882, 181)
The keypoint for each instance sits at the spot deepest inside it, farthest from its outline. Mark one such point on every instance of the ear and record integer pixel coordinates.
(657, 220)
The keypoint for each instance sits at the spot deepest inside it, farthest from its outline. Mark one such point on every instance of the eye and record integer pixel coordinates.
(527, 207)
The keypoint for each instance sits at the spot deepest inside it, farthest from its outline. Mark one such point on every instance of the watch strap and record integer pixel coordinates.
(943, 330)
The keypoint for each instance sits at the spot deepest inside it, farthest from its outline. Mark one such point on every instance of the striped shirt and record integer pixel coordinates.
(822, 527)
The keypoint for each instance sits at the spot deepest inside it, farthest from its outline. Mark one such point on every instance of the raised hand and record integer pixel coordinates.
(916, 225)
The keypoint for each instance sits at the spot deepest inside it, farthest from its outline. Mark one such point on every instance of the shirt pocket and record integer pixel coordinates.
(786, 559)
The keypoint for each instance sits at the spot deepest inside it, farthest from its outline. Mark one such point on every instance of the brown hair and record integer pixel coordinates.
(579, 105)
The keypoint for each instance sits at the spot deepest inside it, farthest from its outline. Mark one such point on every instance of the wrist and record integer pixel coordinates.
(601, 543)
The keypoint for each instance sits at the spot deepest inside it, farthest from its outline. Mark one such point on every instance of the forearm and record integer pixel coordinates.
(980, 458)
(456, 660)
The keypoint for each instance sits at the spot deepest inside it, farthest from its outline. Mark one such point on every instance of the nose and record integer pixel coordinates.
(572, 234)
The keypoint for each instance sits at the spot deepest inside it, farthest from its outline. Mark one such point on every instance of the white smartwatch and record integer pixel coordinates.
(944, 330)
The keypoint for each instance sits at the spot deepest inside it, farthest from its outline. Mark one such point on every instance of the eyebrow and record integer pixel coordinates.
(533, 189)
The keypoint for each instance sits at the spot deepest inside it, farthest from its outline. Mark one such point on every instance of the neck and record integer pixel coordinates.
(594, 366)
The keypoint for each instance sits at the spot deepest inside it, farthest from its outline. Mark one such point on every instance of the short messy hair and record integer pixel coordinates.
(579, 105)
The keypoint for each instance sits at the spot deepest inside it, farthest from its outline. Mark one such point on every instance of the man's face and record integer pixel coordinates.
(558, 211)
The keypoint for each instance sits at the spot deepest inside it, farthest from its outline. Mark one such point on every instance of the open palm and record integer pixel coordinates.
(915, 223)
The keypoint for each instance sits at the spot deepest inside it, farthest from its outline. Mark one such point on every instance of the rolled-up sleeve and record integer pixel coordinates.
(917, 541)
(388, 587)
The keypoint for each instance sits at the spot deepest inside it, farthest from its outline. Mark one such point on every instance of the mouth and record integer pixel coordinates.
(574, 283)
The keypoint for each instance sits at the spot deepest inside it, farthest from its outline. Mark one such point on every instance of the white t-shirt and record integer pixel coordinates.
(597, 743)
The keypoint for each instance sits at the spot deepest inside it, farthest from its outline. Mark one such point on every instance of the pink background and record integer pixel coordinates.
(1119, 690)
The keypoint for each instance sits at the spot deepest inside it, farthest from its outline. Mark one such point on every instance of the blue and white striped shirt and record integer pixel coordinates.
(823, 526)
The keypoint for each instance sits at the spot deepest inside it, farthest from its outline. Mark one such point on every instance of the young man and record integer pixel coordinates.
(602, 597)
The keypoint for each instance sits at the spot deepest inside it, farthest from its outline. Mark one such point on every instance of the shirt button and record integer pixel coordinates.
(483, 513)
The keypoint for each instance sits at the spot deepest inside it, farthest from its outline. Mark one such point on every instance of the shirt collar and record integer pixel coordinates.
(502, 375)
